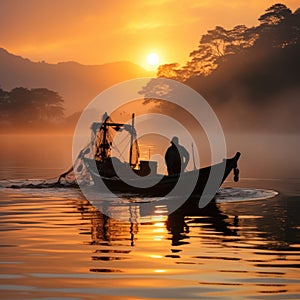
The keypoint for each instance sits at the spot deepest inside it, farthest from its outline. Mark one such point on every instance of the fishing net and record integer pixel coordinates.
(108, 139)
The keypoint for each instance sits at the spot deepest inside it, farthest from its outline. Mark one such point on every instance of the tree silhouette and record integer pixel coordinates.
(217, 45)
(173, 71)
(214, 48)
(244, 68)
(4, 105)
(22, 106)
(47, 104)
(278, 28)
(275, 14)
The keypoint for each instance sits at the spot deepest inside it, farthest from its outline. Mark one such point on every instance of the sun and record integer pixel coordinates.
(152, 59)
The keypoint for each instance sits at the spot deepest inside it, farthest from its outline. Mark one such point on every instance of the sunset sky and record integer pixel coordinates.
(97, 31)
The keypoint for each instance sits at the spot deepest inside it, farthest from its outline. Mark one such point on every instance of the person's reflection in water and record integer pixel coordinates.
(178, 228)
(236, 221)
(209, 217)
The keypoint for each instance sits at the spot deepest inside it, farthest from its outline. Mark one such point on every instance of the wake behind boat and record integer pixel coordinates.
(140, 177)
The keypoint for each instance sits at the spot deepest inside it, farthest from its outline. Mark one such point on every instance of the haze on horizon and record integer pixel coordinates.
(108, 31)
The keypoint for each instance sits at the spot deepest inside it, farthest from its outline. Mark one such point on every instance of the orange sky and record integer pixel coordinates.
(98, 31)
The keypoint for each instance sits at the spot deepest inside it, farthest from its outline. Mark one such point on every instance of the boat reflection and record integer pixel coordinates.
(109, 231)
(244, 228)
(210, 217)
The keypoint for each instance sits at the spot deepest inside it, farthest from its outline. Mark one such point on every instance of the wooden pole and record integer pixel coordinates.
(104, 142)
(131, 140)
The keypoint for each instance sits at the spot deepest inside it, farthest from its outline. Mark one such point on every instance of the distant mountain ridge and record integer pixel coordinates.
(78, 84)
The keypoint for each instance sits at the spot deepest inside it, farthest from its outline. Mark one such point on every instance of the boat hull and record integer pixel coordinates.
(165, 184)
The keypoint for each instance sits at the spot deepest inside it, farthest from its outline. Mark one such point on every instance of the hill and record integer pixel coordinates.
(78, 84)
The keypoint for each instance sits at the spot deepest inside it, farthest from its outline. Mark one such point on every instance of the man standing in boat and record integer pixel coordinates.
(177, 157)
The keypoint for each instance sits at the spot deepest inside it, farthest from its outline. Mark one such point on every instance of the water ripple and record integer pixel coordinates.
(55, 244)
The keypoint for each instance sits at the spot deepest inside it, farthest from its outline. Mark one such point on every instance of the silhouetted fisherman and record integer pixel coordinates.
(177, 157)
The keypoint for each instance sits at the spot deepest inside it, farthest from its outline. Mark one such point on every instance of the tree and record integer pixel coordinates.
(203, 61)
(47, 104)
(169, 71)
(217, 45)
(240, 38)
(213, 49)
(19, 108)
(279, 27)
(4, 106)
(275, 14)
(22, 106)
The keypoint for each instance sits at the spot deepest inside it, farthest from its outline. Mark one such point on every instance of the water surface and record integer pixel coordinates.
(55, 245)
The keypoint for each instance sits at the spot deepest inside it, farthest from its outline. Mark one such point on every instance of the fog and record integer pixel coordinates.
(264, 155)
(278, 114)
(267, 135)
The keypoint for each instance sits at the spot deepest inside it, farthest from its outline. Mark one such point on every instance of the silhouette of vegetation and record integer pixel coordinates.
(22, 107)
(249, 68)
(279, 28)
(275, 14)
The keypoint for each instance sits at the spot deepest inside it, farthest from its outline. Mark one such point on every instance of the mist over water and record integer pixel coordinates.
(264, 155)
(41, 156)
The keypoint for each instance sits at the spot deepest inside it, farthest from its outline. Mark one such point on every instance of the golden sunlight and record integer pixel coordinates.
(153, 59)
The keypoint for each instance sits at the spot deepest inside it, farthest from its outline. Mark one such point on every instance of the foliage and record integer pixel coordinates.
(278, 28)
(24, 107)
(275, 14)
(250, 76)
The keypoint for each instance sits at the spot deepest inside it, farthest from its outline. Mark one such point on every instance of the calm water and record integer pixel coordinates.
(55, 245)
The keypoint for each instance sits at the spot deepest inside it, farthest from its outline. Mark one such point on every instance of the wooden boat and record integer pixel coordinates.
(140, 180)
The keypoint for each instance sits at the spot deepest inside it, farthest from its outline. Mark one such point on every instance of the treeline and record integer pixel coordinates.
(23, 108)
(250, 76)
(253, 63)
